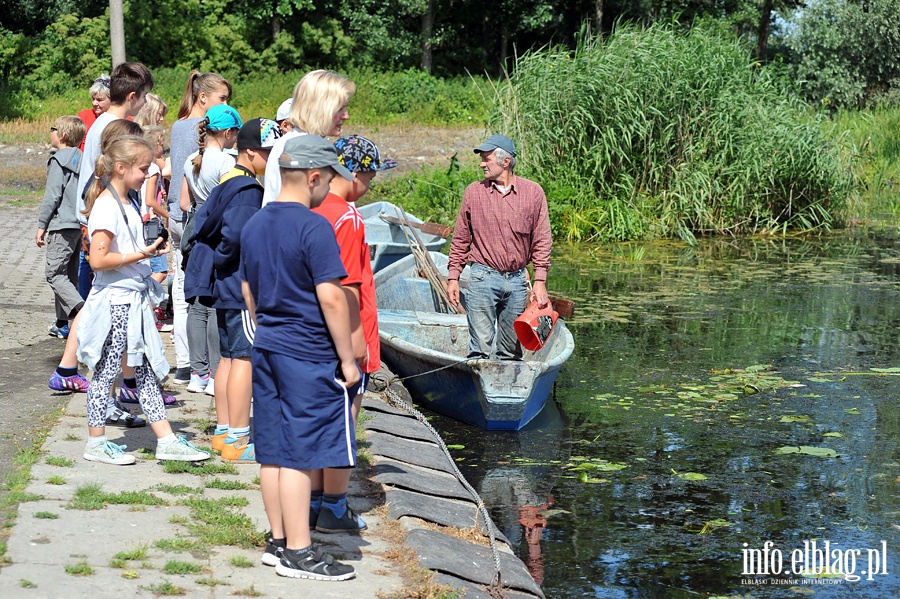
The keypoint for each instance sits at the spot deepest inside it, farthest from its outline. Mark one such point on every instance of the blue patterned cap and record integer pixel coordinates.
(360, 155)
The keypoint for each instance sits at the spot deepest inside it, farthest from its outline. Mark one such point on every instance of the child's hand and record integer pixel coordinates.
(350, 372)
(158, 247)
(39, 238)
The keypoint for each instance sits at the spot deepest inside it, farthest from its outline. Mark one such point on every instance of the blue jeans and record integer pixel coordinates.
(85, 276)
(494, 300)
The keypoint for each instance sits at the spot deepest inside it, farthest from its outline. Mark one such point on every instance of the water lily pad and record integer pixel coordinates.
(832, 434)
(691, 476)
(822, 452)
(584, 478)
(599, 465)
(456, 447)
(894, 369)
(852, 411)
(795, 418)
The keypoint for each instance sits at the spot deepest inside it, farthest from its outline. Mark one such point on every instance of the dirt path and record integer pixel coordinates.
(23, 166)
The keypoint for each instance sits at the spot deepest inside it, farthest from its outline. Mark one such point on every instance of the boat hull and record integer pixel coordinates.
(428, 349)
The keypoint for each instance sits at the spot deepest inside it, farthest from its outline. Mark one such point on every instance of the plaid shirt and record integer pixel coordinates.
(502, 231)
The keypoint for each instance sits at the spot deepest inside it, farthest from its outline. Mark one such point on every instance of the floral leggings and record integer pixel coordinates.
(107, 370)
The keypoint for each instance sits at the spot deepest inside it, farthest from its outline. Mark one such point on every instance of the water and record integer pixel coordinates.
(700, 363)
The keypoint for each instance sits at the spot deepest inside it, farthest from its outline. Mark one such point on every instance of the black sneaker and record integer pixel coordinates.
(119, 417)
(182, 376)
(329, 523)
(313, 564)
(274, 549)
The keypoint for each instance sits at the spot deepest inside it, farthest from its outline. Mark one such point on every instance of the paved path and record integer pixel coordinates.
(52, 534)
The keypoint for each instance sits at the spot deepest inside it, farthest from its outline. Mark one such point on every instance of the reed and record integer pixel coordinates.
(656, 132)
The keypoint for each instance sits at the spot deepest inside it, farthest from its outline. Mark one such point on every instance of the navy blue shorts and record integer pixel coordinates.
(236, 331)
(301, 413)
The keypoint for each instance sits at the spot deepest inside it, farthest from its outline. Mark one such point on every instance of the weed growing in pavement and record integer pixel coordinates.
(206, 468)
(82, 568)
(178, 567)
(71, 437)
(130, 574)
(132, 555)
(180, 545)
(248, 592)
(218, 522)
(165, 588)
(54, 460)
(46, 515)
(27, 584)
(418, 582)
(210, 582)
(56, 480)
(227, 485)
(177, 489)
(92, 497)
(241, 561)
(178, 519)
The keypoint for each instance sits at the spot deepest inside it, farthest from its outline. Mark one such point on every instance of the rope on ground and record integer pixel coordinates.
(392, 399)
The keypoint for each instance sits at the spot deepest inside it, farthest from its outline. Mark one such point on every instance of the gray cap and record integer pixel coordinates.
(311, 151)
(497, 141)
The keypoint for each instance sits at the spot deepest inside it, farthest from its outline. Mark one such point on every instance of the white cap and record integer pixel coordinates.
(284, 111)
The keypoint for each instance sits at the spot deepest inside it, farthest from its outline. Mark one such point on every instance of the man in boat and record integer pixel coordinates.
(503, 225)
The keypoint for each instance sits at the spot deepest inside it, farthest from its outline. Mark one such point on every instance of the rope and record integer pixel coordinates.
(393, 399)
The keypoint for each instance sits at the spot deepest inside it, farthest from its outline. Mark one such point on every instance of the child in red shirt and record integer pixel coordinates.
(329, 511)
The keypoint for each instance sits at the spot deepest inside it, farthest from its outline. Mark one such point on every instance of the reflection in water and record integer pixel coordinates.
(660, 344)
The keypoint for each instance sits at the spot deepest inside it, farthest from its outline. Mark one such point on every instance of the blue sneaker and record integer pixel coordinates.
(329, 522)
(61, 332)
(76, 383)
(199, 383)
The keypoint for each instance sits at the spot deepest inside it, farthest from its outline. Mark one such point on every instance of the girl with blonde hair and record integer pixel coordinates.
(319, 107)
(153, 112)
(117, 318)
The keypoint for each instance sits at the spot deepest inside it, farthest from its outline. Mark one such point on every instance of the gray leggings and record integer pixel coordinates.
(107, 369)
(203, 339)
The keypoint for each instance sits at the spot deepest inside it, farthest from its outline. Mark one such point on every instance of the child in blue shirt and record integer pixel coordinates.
(304, 372)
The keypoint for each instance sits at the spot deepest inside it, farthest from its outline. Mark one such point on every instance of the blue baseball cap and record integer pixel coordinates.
(497, 141)
(221, 117)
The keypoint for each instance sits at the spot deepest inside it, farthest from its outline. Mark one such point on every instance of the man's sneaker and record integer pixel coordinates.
(241, 450)
(108, 453)
(274, 548)
(328, 522)
(163, 327)
(313, 564)
(129, 395)
(60, 332)
(198, 383)
(211, 387)
(76, 383)
(181, 450)
(119, 417)
(182, 376)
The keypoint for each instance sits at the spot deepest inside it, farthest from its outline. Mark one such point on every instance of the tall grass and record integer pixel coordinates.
(656, 132)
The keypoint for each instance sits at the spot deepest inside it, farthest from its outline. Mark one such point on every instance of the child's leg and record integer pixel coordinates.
(268, 483)
(221, 383)
(239, 390)
(106, 371)
(293, 495)
(335, 482)
(151, 397)
(62, 247)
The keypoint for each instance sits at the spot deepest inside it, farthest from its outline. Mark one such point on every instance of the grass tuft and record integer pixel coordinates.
(92, 497)
(79, 569)
(178, 567)
(165, 589)
(60, 461)
(46, 515)
(56, 480)
(227, 485)
(241, 561)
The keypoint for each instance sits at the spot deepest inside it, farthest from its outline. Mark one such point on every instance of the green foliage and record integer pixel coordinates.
(846, 53)
(656, 133)
(179, 567)
(433, 194)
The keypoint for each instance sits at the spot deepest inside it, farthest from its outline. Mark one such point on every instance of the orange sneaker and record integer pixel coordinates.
(218, 441)
(241, 450)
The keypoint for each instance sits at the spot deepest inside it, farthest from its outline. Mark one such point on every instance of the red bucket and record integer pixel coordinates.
(534, 326)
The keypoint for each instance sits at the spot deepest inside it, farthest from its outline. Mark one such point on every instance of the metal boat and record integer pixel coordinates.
(387, 242)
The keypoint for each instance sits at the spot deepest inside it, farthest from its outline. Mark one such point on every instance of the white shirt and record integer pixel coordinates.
(215, 164)
(272, 181)
(107, 216)
(89, 159)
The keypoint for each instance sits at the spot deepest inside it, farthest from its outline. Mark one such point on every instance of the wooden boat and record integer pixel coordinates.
(387, 242)
(419, 342)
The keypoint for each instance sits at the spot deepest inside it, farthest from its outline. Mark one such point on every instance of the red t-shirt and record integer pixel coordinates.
(351, 236)
(87, 117)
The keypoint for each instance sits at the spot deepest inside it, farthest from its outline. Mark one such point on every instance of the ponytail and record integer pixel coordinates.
(198, 83)
(102, 171)
(197, 162)
(188, 97)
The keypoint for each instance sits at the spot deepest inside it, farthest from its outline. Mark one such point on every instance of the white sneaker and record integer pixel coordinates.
(211, 387)
(108, 453)
(199, 383)
(181, 450)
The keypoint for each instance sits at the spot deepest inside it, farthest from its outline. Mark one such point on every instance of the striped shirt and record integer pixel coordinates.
(504, 231)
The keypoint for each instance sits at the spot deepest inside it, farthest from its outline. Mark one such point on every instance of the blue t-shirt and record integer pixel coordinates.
(286, 250)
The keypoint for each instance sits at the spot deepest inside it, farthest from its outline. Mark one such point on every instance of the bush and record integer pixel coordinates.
(658, 132)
